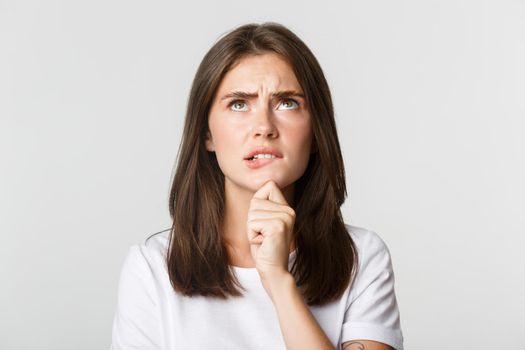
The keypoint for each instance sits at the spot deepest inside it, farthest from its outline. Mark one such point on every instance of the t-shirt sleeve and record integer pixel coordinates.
(136, 323)
(372, 312)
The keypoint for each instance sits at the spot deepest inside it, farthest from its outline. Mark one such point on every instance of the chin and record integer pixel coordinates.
(279, 181)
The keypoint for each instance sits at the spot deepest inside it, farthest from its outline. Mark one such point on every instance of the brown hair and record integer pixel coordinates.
(197, 258)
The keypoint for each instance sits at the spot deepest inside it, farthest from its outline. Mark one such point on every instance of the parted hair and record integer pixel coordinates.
(197, 258)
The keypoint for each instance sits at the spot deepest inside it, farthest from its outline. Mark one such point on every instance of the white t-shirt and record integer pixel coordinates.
(151, 315)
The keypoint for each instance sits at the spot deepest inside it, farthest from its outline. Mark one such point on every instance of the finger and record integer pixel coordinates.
(267, 205)
(272, 192)
(257, 239)
(269, 214)
(264, 227)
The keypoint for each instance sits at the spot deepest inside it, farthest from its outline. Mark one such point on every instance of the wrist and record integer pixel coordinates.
(278, 283)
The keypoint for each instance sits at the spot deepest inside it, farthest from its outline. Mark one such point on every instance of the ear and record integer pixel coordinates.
(209, 142)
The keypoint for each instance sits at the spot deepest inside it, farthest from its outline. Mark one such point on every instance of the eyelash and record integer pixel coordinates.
(286, 99)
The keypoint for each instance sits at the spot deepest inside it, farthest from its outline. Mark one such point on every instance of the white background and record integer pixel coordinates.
(430, 108)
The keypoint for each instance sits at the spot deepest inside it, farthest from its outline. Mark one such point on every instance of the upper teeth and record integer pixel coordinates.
(263, 156)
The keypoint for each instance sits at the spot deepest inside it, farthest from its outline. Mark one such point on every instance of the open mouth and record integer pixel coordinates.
(255, 157)
(254, 162)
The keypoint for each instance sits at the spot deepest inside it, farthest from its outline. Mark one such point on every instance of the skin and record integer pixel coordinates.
(236, 129)
(259, 219)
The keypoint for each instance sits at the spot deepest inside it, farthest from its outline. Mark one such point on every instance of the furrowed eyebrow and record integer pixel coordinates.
(247, 95)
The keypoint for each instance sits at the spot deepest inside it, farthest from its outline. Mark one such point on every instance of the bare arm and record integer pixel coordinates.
(298, 326)
(365, 345)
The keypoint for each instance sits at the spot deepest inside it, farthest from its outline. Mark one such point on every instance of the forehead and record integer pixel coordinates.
(251, 73)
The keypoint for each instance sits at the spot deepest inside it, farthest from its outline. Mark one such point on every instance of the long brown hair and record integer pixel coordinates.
(197, 258)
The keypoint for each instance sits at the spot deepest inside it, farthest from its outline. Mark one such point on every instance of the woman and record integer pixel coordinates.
(258, 256)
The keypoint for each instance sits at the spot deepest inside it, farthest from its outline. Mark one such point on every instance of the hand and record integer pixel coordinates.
(270, 229)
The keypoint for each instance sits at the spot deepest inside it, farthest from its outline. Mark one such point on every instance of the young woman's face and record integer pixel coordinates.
(239, 124)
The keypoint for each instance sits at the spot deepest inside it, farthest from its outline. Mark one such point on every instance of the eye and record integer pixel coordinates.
(236, 103)
(287, 102)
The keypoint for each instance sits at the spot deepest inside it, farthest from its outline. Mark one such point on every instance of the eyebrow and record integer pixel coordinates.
(247, 95)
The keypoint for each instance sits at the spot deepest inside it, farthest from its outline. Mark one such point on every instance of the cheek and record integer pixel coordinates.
(301, 140)
(219, 130)
(301, 135)
(228, 142)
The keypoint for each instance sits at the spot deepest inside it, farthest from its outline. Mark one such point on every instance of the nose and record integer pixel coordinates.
(263, 124)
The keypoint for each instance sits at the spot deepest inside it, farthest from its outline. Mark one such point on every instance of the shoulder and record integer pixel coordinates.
(366, 241)
(148, 255)
(373, 253)
(157, 242)
(371, 308)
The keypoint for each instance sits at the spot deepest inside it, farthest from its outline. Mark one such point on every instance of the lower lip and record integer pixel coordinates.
(257, 163)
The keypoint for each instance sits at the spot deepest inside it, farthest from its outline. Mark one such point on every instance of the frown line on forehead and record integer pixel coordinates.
(247, 95)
